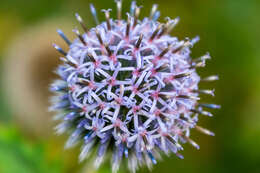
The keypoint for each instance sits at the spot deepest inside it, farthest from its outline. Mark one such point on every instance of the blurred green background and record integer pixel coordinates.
(229, 30)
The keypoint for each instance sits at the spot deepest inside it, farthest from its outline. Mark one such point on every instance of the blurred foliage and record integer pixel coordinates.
(229, 30)
(20, 155)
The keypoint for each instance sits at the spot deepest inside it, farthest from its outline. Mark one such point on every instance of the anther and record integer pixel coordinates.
(91, 57)
(211, 106)
(107, 15)
(188, 97)
(68, 62)
(109, 51)
(94, 13)
(201, 112)
(202, 58)
(84, 82)
(166, 50)
(179, 155)
(99, 37)
(193, 143)
(210, 78)
(156, 16)
(171, 24)
(132, 8)
(163, 30)
(185, 44)
(155, 32)
(119, 8)
(79, 19)
(197, 65)
(182, 75)
(63, 36)
(209, 92)
(205, 131)
(59, 49)
(151, 157)
(139, 41)
(136, 15)
(79, 36)
(128, 26)
(153, 11)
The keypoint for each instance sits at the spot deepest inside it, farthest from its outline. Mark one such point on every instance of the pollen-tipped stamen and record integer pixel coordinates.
(107, 15)
(79, 19)
(139, 41)
(136, 15)
(63, 36)
(119, 9)
(203, 130)
(153, 11)
(80, 36)
(94, 13)
(59, 49)
(155, 32)
(210, 78)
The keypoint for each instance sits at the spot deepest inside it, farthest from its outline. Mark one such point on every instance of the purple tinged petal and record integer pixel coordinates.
(70, 116)
(152, 157)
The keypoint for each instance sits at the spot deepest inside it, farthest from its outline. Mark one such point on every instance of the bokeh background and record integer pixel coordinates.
(229, 30)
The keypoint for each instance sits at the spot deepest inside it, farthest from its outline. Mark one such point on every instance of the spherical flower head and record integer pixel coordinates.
(130, 88)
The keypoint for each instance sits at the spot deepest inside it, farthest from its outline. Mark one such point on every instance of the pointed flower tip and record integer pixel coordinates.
(211, 134)
(78, 17)
(76, 31)
(180, 156)
(92, 7)
(195, 40)
(154, 161)
(218, 106)
(209, 114)
(59, 31)
(55, 45)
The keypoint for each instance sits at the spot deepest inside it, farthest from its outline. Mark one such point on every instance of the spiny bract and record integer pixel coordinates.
(129, 88)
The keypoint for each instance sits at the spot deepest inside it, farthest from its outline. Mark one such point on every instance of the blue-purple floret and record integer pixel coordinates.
(129, 88)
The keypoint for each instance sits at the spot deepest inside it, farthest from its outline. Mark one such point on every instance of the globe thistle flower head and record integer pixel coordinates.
(129, 88)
